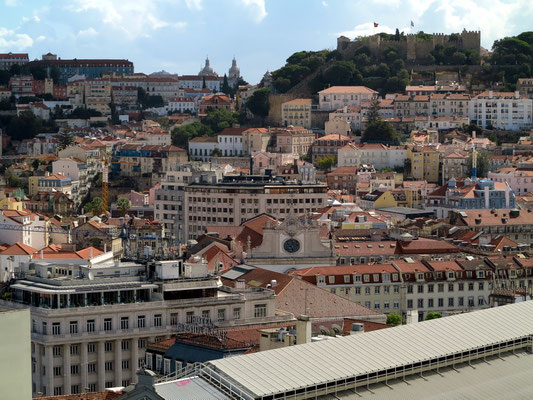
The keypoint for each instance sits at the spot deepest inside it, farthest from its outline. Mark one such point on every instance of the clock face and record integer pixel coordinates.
(291, 245)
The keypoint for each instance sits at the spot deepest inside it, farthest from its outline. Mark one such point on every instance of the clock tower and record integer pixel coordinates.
(293, 244)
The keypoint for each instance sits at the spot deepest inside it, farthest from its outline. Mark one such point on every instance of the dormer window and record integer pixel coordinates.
(420, 276)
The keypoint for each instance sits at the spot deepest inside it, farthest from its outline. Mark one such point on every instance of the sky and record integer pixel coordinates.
(177, 35)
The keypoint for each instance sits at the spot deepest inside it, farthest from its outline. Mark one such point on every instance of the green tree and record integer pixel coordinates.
(433, 315)
(225, 85)
(397, 35)
(14, 181)
(4, 77)
(203, 83)
(326, 162)
(380, 132)
(216, 152)
(373, 111)
(35, 164)
(123, 205)
(458, 58)
(24, 126)
(65, 140)
(341, 73)
(95, 242)
(96, 206)
(258, 102)
(394, 319)
(55, 74)
(221, 118)
(182, 134)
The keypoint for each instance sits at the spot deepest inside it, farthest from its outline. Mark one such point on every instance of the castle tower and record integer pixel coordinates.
(234, 73)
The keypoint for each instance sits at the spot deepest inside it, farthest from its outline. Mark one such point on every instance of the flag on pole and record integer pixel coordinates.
(412, 24)
(375, 24)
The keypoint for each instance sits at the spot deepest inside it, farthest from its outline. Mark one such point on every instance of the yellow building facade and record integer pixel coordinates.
(296, 112)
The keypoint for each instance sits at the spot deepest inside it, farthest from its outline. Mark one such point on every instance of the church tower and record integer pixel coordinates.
(207, 70)
(234, 73)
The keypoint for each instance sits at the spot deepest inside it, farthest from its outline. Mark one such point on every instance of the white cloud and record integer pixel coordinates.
(40, 38)
(134, 18)
(11, 3)
(257, 8)
(194, 4)
(368, 29)
(35, 18)
(10, 40)
(89, 32)
(325, 4)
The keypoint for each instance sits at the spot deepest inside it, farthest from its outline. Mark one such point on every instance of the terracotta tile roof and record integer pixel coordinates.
(204, 139)
(369, 326)
(410, 267)
(299, 101)
(333, 137)
(347, 89)
(489, 218)
(345, 270)
(443, 265)
(232, 131)
(107, 395)
(427, 246)
(18, 249)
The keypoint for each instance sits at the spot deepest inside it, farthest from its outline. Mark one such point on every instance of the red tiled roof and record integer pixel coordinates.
(19, 249)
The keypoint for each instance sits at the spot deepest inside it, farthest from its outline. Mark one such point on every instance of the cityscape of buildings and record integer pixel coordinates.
(172, 236)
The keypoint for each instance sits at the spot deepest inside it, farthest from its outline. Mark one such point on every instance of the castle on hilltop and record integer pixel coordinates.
(411, 48)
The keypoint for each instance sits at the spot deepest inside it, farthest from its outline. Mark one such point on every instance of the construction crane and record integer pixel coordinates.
(474, 157)
(105, 182)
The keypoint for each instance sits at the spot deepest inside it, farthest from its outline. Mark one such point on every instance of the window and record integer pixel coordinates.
(409, 303)
(166, 366)
(420, 303)
(92, 387)
(461, 301)
(471, 286)
(450, 287)
(125, 364)
(430, 303)
(431, 288)
(56, 351)
(56, 328)
(440, 287)
(346, 278)
(157, 320)
(141, 344)
(260, 311)
(108, 365)
(108, 384)
(376, 289)
(367, 291)
(125, 382)
(480, 300)
(141, 321)
(420, 289)
(410, 289)
(125, 344)
(108, 346)
(221, 314)
(237, 313)
(481, 285)
(75, 369)
(470, 301)
(396, 289)
(357, 290)
(91, 368)
(90, 325)
(73, 327)
(58, 390)
(461, 286)
(190, 315)
(74, 349)
(57, 371)
(386, 305)
(74, 389)
(396, 304)
(450, 301)
(91, 347)
(376, 305)
(124, 323)
(386, 289)
(108, 324)
(367, 304)
(321, 279)
(174, 319)
(441, 302)
(331, 279)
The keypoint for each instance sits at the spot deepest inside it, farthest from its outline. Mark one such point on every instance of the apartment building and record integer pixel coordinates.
(238, 198)
(296, 112)
(449, 104)
(97, 95)
(90, 326)
(501, 110)
(7, 60)
(328, 145)
(294, 140)
(169, 205)
(520, 180)
(455, 165)
(21, 85)
(445, 286)
(424, 163)
(336, 97)
(379, 155)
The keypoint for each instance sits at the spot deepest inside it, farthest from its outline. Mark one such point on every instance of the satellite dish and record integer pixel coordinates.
(91, 275)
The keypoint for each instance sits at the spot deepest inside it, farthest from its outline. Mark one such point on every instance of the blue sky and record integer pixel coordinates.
(176, 35)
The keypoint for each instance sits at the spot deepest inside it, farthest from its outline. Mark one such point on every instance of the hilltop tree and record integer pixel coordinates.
(380, 132)
(258, 103)
(182, 134)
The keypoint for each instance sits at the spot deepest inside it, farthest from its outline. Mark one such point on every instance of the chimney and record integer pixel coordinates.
(273, 283)
(303, 329)
(105, 247)
(42, 254)
(357, 328)
(487, 199)
(240, 284)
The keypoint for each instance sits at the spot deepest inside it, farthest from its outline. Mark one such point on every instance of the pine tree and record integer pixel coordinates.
(65, 140)
(203, 83)
(373, 111)
(225, 85)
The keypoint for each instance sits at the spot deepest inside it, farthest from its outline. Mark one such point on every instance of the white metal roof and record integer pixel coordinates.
(306, 365)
